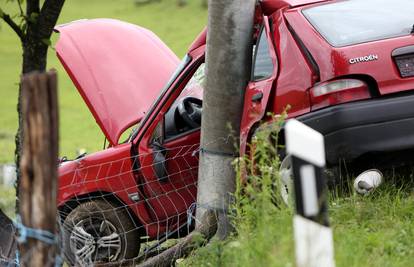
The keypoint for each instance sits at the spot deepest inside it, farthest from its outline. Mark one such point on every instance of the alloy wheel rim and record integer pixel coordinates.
(286, 179)
(95, 239)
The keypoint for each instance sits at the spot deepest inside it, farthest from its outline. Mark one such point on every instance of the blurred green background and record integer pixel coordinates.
(176, 25)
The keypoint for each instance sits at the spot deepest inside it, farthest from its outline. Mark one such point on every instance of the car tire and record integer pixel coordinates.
(98, 231)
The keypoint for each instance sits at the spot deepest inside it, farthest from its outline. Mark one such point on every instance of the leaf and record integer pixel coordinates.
(47, 42)
(1, 12)
(33, 17)
(23, 26)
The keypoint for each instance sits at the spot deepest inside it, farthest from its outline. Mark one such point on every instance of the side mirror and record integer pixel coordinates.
(159, 153)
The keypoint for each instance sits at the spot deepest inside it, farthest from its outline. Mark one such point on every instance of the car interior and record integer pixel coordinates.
(184, 114)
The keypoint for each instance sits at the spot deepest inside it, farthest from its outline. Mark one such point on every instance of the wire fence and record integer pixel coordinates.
(128, 206)
(119, 211)
(8, 244)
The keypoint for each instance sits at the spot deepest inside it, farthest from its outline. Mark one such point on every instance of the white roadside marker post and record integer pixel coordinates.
(313, 236)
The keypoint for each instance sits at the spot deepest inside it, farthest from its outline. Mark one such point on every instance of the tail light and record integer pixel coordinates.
(338, 92)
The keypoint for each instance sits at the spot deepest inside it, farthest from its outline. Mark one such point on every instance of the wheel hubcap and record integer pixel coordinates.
(286, 179)
(95, 240)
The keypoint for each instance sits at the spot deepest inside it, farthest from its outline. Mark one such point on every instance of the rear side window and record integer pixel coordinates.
(358, 21)
(263, 65)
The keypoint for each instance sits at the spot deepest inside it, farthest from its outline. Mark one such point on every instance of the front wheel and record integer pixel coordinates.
(96, 231)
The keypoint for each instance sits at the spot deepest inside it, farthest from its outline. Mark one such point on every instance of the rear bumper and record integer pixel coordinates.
(354, 129)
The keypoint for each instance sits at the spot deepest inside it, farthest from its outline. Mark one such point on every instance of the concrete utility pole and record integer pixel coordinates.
(228, 65)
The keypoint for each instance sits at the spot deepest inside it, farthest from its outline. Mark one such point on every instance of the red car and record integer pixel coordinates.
(346, 68)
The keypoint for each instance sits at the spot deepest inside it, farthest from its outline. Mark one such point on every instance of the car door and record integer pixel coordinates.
(168, 156)
(264, 74)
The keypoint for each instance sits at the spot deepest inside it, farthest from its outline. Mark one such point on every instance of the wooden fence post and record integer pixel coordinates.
(38, 184)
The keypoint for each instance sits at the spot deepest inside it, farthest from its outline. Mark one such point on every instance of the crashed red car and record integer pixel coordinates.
(345, 68)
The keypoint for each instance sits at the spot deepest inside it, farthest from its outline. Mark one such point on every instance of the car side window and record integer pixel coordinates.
(263, 65)
(184, 115)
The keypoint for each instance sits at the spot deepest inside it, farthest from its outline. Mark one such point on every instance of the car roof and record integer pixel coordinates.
(270, 6)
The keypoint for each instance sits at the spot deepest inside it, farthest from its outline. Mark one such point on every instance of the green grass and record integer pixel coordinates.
(7, 200)
(375, 230)
(368, 231)
(176, 26)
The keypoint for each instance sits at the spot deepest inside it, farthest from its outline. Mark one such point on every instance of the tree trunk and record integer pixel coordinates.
(34, 40)
(35, 46)
(34, 58)
(197, 238)
(228, 66)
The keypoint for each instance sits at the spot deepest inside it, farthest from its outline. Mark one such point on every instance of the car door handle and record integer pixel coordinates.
(257, 97)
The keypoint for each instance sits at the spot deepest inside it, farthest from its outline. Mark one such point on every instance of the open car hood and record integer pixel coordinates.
(118, 68)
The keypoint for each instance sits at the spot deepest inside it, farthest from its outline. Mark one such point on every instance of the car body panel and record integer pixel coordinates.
(109, 172)
(296, 74)
(118, 68)
(271, 6)
(335, 62)
(122, 170)
(199, 41)
(169, 200)
(254, 110)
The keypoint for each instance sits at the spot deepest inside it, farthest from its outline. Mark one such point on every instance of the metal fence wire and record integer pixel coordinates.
(119, 211)
(127, 207)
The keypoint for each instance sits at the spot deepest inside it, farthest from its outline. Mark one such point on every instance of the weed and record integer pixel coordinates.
(373, 230)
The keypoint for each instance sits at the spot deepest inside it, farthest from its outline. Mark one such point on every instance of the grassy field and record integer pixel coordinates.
(372, 230)
(177, 26)
(368, 231)
(377, 230)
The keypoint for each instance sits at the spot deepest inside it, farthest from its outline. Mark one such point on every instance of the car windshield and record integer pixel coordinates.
(358, 21)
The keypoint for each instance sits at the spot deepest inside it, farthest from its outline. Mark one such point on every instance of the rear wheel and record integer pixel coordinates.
(97, 231)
